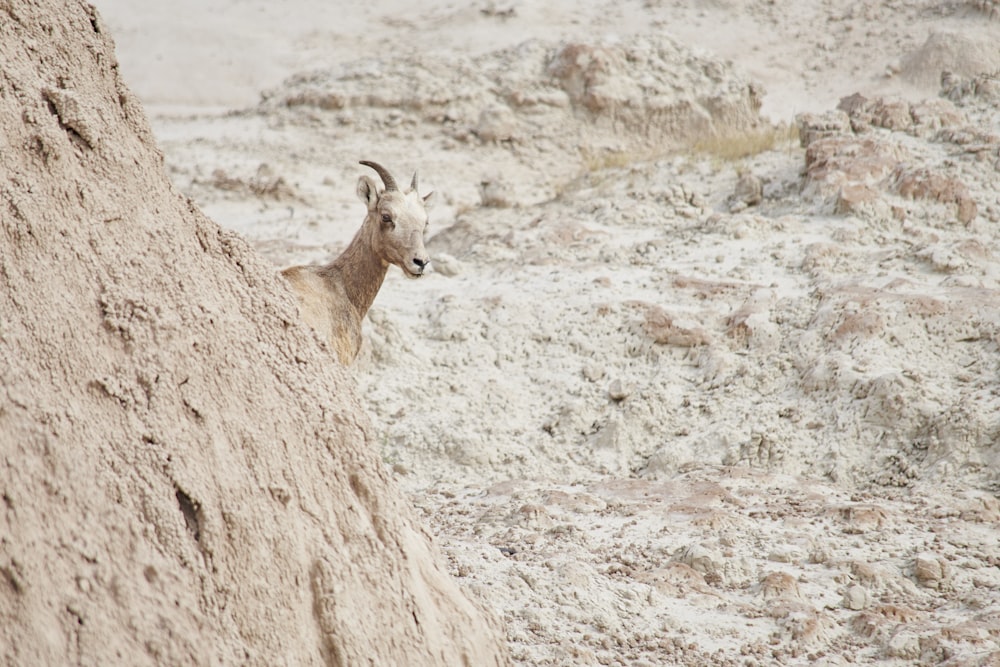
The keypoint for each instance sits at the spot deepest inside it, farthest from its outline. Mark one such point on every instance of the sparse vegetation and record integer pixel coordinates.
(615, 159)
(738, 145)
(726, 147)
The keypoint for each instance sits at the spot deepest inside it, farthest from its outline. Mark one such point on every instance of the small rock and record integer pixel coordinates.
(856, 598)
(749, 191)
(820, 554)
(785, 554)
(862, 518)
(930, 570)
(497, 124)
(619, 391)
(495, 192)
(891, 114)
(780, 585)
(815, 126)
(446, 265)
(665, 329)
(923, 183)
(701, 559)
(853, 197)
(502, 10)
(593, 371)
(904, 644)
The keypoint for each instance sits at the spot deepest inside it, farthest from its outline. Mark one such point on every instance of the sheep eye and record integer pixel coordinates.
(386, 217)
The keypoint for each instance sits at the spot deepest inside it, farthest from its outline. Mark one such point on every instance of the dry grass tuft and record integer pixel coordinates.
(615, 159)
(729, 147)
(734, 146)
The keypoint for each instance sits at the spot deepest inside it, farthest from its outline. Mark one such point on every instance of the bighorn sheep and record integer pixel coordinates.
(334, 298)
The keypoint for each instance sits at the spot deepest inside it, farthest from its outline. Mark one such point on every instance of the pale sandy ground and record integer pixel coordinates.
(648, 424)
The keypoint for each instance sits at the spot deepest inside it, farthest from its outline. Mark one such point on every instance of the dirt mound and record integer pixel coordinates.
(537, 99)
(186, 478)
(965, 53)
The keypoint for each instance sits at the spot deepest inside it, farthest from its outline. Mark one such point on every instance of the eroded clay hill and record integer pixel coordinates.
(185, 477)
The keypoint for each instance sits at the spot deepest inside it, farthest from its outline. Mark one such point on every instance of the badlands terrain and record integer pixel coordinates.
(707, 370)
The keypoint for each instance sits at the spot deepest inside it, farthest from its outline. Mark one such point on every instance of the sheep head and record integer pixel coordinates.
(398, 219)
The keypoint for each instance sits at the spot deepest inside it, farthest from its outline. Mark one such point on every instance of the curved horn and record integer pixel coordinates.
(413, 183)
(390, 182)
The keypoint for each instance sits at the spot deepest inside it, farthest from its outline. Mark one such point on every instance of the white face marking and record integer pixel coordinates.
(403, 223)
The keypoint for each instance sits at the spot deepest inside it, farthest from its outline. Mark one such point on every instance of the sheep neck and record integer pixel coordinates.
(359, 269)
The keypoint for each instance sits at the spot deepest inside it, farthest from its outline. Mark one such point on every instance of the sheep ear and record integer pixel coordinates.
(368, 192)
(427, 199)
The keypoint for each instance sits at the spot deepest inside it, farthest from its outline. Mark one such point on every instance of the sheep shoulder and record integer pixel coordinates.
(324, 306)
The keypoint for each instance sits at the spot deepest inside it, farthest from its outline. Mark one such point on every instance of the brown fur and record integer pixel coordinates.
(334, 298)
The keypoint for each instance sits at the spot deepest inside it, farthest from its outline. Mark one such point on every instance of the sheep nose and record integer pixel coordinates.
(421, 263)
